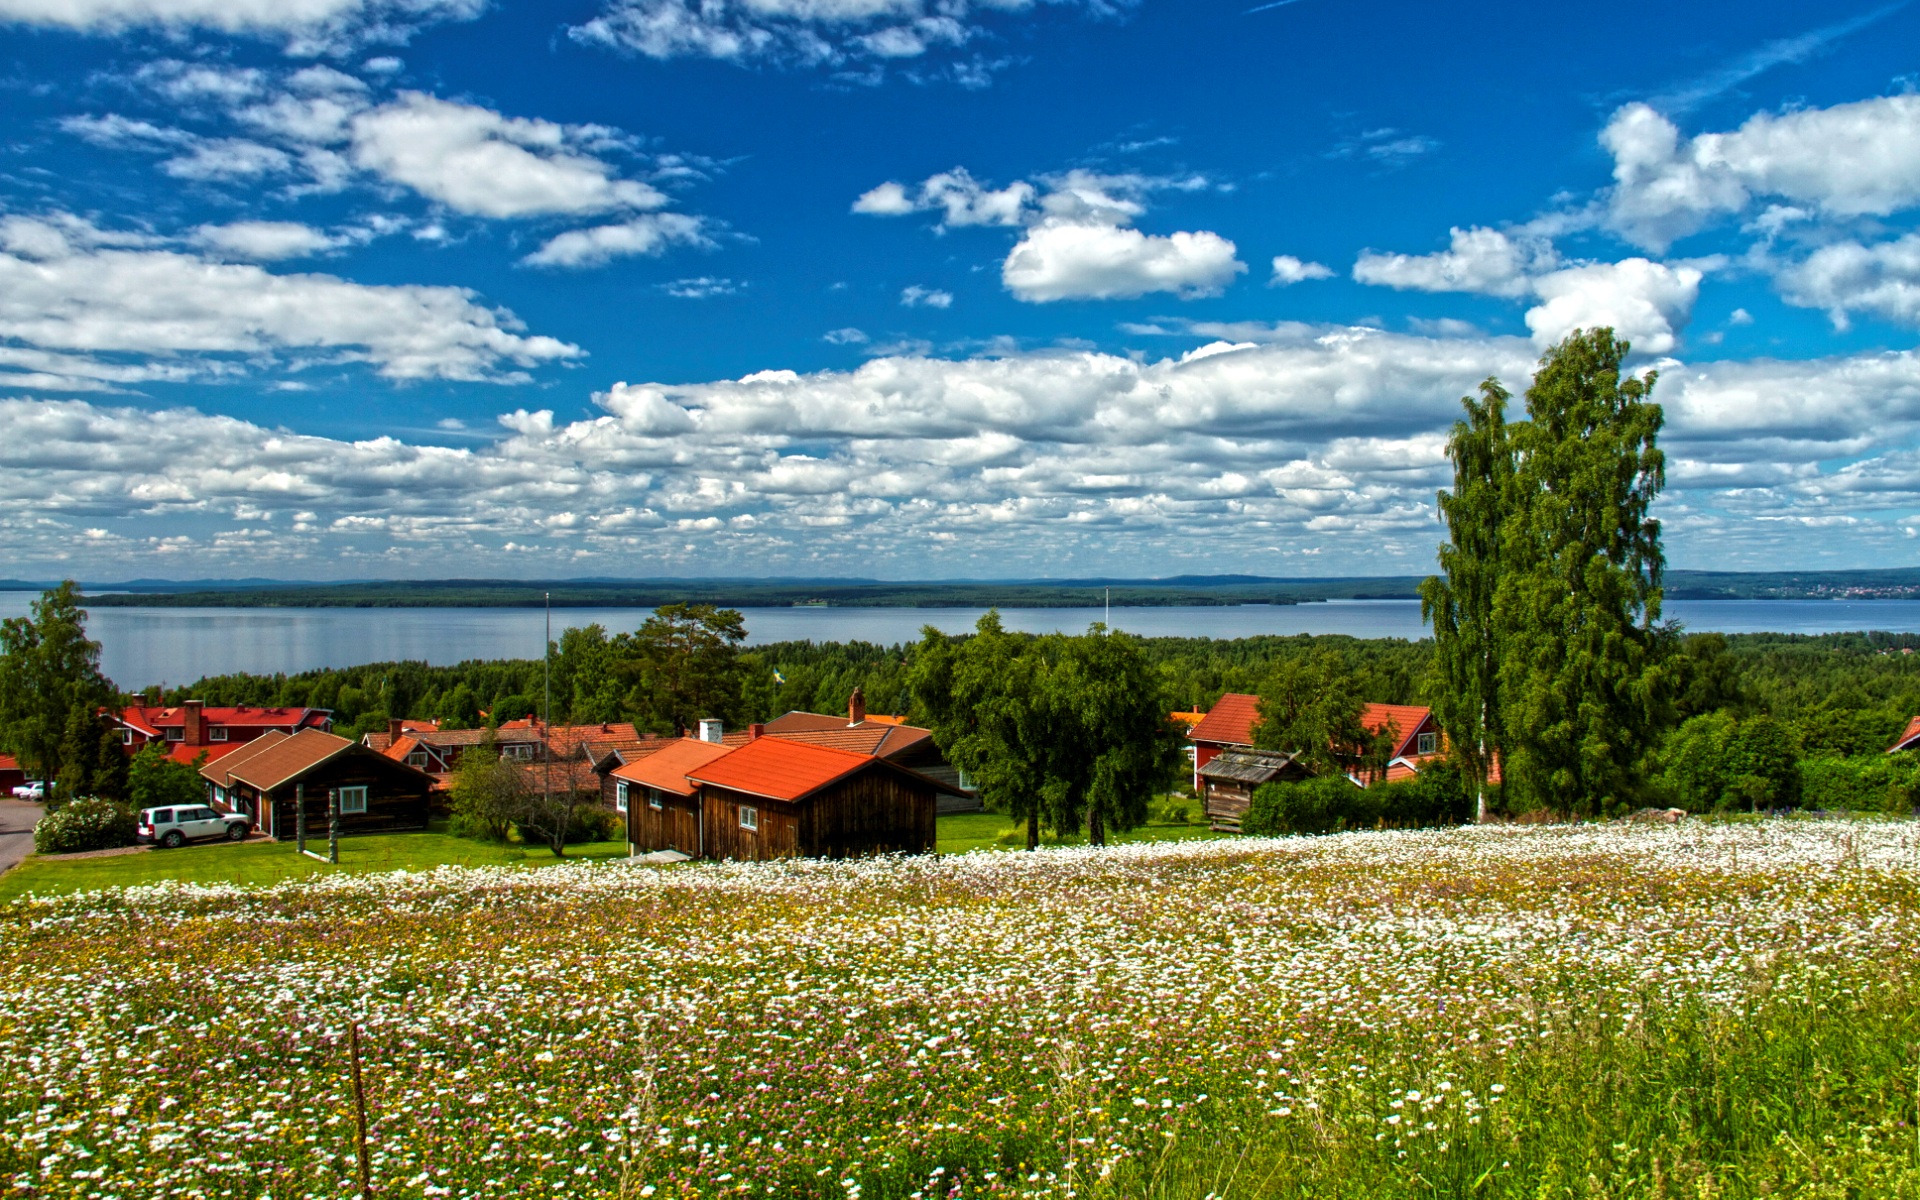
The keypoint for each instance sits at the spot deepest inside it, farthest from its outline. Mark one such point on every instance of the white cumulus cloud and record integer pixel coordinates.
(308, 25)
(1855, 159)
(264, 241)
(649, 233)
(1485, 261)
(1288, 270)
(1849, 277)
(1647, 303)
(478, 161)
(1065, 260)
(65, 287)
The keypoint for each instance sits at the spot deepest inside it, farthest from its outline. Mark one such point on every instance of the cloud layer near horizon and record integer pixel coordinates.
(1317, 449)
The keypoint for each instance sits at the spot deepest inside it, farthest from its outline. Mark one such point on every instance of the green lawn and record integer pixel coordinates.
(272, 862)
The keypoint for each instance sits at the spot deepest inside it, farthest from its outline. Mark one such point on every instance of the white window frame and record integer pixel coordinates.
(418, 758)
(519, 751)
(619, 795)
(750, 818)
(653, 799)
(351, 800)
(126, 737)
(217, 733)
(1427, 743)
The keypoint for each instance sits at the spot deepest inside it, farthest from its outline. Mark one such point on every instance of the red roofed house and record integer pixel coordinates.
(1229, 726)
(11, 776)
(191, 729)
(777, 798)
(1909, 738)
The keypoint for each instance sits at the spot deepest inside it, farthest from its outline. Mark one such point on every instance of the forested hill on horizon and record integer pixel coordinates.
(1897, 583)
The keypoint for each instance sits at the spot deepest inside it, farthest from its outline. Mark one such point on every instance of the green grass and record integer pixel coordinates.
(272, 862)
(961, 832)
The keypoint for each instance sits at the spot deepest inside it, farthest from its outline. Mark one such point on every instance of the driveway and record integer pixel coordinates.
(17, 819)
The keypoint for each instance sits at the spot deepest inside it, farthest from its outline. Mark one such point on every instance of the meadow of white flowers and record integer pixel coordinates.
(991, 1024)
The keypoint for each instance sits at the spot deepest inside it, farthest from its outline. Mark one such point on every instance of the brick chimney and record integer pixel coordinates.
(395, 727)
(196, 731)
(857, 707)
(754, 731)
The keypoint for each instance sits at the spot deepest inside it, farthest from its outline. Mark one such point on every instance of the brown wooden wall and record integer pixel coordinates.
(777, 837)
(397, 798)
(873, 811)
(1227, 803)
(675, 825)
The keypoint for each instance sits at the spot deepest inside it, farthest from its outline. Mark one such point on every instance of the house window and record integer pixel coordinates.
(1428, 743)
(965, 780)
(418, 759)
(126, 737)
(749, 818)
(176, 734)
(519, 750)
(653, 798)
(620, 796)
(352, 800)
(217, 733)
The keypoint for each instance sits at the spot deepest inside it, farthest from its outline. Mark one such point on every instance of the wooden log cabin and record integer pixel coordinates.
(270, 778)
(661, 805)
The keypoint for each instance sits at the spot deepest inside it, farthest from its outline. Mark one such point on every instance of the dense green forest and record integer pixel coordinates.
(1844, 694)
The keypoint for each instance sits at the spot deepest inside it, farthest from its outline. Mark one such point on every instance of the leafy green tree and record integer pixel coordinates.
(459, 708)
(93, 758)
(1581, 693)
(1310, 707)
(1763, 764)
(156, 781)
(979, 697)
(488, 794)
(1460, 602)
(1114, 745)
(48, 669)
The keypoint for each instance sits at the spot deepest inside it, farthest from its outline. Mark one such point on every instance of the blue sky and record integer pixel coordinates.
(928, 288)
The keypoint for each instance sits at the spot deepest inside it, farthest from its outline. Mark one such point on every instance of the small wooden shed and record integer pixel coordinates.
(1228, 778)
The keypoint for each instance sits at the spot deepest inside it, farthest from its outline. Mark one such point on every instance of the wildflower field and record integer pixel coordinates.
(1700, 1011)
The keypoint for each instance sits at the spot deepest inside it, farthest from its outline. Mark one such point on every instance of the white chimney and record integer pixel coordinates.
(710, 730)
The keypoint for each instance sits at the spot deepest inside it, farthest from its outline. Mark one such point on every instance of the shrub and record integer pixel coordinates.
(592, 823)
(88, 823)
(1886, 783)
(1717, 762)
(1175, 813)
(1436, 796)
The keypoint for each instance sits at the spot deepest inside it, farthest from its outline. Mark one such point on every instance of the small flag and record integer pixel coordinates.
(779, 678)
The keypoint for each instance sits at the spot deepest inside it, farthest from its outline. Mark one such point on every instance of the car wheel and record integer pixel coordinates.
(174, 839)
(236, 832)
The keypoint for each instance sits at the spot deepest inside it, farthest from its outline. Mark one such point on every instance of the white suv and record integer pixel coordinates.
(172, 827)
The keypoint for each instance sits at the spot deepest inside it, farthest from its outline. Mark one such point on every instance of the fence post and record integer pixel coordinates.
(333, 825)
(360, 1114)
(300, 820)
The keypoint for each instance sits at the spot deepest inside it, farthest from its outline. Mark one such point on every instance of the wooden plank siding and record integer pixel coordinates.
(875, 811)
(674, 825)
(397, 799)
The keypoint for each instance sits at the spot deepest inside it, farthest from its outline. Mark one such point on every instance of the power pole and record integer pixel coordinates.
(546, 722)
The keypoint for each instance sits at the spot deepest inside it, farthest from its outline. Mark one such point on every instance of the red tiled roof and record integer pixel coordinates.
(666, 768)
(222, 776)
(1406, 720)
(1907, 736)
(1229, 722)
(880, 741)
(156, 717)
(400, 748)
(182, 753)
(288, 758)
(780, 768)
(9, 763)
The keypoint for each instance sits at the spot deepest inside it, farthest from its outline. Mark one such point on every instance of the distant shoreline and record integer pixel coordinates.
(1179, 591)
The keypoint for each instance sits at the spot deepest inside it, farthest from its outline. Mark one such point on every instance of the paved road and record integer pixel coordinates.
(17, 819)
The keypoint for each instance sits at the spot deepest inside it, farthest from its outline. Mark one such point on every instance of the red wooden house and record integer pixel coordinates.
(191, 729)
(1229, 725)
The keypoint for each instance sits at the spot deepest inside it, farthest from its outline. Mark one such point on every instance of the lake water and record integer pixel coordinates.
(142, 646)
